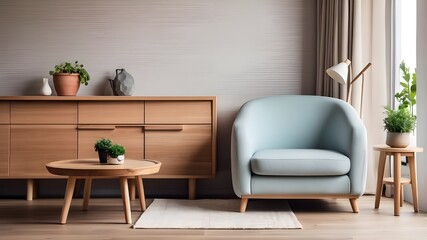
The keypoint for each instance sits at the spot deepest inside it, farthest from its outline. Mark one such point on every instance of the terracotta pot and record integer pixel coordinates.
(66, 84)
(397, 139)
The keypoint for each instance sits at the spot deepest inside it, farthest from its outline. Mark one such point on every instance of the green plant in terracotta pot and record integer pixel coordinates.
(116, 154)
(101, 146)
(67, 78)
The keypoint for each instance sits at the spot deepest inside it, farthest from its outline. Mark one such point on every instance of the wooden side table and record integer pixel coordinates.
(397, 180)
(89, 168)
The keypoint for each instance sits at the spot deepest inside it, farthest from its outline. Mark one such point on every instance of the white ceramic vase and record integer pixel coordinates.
(45, 90)
(116, 161)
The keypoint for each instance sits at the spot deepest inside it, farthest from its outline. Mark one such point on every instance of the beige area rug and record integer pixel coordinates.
(217, 214)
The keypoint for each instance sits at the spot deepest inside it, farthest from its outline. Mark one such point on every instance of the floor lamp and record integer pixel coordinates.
(339, 73)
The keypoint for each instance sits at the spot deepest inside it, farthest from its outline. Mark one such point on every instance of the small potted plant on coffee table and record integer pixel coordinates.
(101, 146)
(116, 154)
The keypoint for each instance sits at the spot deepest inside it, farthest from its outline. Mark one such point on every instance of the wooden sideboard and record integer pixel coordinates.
(178, 131)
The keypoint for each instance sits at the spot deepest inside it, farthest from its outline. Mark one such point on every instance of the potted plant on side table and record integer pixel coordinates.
(116, 154)
(101, 146)
(67, 78)
(400, 122)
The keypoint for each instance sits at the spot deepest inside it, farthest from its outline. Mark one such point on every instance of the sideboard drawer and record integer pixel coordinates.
(111, 112)
(131, 137)
(43, 112)
(4, 112)
(178, 112)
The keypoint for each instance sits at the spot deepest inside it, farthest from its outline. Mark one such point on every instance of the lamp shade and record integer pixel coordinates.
(339, 72)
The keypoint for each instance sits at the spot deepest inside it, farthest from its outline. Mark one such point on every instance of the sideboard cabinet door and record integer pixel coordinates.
(185, 153)
(4, 112)
(33, 146)
(4, 149)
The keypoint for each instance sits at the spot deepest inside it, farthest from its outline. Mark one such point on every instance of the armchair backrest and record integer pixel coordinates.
(289, 121)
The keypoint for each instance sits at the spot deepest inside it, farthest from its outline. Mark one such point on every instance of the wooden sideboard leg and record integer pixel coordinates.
(191, 188)
(30, 189)
(86, 194)
(71, 183)
(132, 189)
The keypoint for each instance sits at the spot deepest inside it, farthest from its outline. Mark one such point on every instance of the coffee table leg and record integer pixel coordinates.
(86, 195)
(71, 183)
(141, 193)
(125, 198)
(131, 183)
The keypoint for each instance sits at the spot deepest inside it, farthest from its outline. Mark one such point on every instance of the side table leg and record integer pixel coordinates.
(86, 194)
(413, 172)
(140, 187)
(380, 176)
(396, 177)
(125, 198)
(71, 183)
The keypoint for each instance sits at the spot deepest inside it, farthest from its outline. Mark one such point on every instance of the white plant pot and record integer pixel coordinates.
(398, 140)
(116, 161)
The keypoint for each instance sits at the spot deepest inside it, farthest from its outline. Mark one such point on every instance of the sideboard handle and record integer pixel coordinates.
(164, 127)
(96, 127)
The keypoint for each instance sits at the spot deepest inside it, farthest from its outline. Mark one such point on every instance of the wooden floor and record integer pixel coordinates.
(321, 219)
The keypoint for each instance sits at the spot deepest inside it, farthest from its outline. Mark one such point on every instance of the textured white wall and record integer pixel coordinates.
(233, 49)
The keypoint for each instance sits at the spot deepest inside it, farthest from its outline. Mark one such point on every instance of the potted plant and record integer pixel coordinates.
(101, 146)
(116, 154)
(399, 124)
(67, 78)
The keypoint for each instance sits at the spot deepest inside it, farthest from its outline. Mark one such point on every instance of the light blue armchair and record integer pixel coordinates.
(298, 147)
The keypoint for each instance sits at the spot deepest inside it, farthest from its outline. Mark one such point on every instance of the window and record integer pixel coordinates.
(405, 24)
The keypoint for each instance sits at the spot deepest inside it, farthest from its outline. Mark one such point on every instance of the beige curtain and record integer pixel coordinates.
(357, 30)
(334, 42)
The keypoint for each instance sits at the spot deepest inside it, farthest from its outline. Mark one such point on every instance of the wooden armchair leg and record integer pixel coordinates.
(354, 206)
(243, 204)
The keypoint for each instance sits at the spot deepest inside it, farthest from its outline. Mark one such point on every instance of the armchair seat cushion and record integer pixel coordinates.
(299, 162)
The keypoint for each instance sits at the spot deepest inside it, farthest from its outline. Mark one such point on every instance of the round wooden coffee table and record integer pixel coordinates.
(89, 168)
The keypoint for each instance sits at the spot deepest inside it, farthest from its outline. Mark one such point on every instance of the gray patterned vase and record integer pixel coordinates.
(122, 84)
